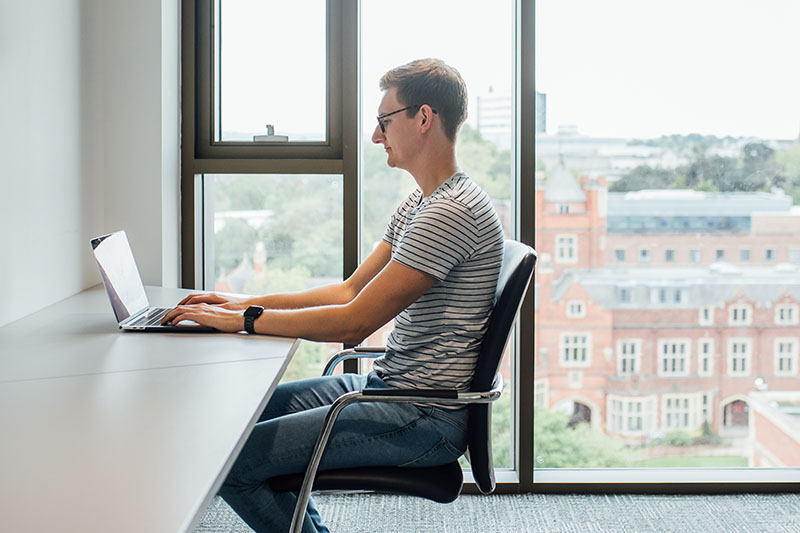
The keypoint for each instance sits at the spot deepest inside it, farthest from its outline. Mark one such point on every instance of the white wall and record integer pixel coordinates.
(89, 116)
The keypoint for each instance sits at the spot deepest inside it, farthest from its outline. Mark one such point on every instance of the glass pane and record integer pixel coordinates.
(484, 143)
(270, 80)
(681, 167)
(264, 241)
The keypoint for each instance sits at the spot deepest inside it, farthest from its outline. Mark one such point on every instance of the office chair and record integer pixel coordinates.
(438, 483)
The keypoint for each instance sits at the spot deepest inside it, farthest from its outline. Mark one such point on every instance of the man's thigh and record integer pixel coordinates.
(306, 394)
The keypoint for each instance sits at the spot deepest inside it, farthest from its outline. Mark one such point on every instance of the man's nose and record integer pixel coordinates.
(377, 135)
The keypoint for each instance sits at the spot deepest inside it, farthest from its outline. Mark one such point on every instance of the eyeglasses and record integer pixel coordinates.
(383, 116)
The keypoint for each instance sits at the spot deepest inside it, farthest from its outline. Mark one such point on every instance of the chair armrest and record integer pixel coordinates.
(423, 396)
(359, 352)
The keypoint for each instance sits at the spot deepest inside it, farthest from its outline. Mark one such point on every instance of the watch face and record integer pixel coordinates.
(254, 311)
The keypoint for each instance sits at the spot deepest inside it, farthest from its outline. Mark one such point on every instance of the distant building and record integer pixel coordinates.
(494, 119)
(659, 310)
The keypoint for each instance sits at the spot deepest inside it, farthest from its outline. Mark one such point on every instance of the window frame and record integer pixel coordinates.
(341, 154)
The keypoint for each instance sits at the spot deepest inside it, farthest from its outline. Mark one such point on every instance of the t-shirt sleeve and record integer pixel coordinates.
(440, 236)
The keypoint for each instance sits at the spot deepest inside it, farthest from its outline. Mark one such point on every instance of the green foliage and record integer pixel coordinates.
(757, 168)
(484, 163)
(555, 445)
(678, 437)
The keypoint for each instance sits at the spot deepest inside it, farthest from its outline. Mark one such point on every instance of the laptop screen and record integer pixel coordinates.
(120, 275)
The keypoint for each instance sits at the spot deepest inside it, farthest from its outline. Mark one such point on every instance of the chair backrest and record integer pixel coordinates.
(515, 276)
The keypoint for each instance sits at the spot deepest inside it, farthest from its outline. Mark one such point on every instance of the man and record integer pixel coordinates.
(435, 273)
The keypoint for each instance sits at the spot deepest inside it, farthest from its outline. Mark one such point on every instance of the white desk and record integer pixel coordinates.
(103, 430)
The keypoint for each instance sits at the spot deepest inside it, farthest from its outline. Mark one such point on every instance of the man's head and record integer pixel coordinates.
(432, 82)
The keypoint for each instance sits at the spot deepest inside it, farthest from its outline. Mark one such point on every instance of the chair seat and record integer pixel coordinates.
(438, 483)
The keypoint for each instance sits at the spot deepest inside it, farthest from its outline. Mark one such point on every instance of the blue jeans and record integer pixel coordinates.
(365, 434)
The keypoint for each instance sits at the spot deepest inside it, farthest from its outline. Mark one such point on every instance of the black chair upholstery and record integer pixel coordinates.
(439, 483)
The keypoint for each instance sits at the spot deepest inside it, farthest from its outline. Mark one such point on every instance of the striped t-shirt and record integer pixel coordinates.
(455, 236)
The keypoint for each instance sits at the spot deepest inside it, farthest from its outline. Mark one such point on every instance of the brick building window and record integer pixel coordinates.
(540, 392)
(744, 255)
(644, 255)
(694, 256)
(630, 416)
(786, 315)
(786, 356)
(769, 255)
(705, 357)
(673, 357)
(678, 411)
(566, 249)
(794, 255)
(706, 315)
(739, 355)
(629, 357)
(576, 349)
(624, 295)
(740, 315)
(576, 309)
(719, 255)
(619, 255)
(669, 256)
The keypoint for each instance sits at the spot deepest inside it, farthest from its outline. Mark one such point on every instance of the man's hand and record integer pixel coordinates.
(226, 302)
(216, 316)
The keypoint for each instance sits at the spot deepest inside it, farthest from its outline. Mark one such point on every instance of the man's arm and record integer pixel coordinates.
(333, 294)
(381, 289)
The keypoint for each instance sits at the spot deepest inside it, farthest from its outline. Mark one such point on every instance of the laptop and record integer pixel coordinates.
(125, 289)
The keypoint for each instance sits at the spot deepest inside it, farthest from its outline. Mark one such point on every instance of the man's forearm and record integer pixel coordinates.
(334, 294)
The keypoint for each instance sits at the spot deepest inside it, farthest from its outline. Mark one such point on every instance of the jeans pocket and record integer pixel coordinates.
(441, 453)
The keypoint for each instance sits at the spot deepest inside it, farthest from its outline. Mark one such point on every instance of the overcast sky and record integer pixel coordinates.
(614, 68)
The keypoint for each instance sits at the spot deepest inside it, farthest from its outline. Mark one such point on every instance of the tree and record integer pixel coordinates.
(644, 177)
(555, 445)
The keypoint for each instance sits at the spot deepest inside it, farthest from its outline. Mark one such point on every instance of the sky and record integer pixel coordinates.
(611, 68)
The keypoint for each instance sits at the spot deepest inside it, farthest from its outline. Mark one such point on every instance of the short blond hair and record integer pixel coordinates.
(432, 82)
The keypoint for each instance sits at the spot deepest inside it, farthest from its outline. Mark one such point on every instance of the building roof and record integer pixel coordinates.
(562, 186)
(713, 285)
(680, 202)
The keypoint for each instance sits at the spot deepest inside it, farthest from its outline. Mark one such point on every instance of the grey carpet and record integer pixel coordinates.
(547, 513)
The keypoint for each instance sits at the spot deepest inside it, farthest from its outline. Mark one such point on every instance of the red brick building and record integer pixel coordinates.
(659, 310)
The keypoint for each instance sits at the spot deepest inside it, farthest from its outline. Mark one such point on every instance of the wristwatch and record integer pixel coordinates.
(250, 316)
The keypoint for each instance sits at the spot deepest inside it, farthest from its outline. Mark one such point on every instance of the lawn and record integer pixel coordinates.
(692, 461)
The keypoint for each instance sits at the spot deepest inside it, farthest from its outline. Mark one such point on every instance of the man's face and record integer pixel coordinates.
(398, 131)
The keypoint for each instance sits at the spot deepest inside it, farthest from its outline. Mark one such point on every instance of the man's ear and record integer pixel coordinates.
(427, 114)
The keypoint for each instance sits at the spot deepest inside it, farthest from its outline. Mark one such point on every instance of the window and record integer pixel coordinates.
(325, 151)
(786, 315)
(739, 352)
(673, 357)
(705, 357)
(706, 315)
(629, 356)
(624, 295)
(630, 416)
(576, 309)
(669, 256)
(665, 201)
(566, 249)
(619, 255)
(249, 98)
(540, 392)
(576, 349)
(679, 411)
(786, 356)
(740, 315)
(563, 209)
(769, 255)
(794, 255)
(744, 255)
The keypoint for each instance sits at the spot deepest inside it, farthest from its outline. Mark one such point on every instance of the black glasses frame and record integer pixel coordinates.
(384, 115)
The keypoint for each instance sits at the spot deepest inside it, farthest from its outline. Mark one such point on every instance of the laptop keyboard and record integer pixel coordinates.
(152, 318)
